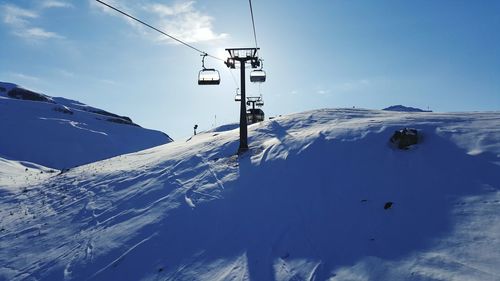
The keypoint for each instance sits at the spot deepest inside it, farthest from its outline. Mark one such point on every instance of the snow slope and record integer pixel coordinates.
(305, 203)
(61, 133)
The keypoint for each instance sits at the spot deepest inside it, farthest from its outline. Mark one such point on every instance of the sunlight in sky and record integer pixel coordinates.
(373, 54)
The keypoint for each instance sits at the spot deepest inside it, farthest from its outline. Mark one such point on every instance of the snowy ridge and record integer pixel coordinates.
(17, 175)
(305, 203)
(61, 133)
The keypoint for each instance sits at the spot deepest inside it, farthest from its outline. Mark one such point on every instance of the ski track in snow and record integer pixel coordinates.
(305, 203)
(74, 124)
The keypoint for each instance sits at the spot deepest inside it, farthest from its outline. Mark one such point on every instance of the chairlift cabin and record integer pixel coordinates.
(258, 76)
(255, 115)
(208, 76)
(255, 101)
(237, 95)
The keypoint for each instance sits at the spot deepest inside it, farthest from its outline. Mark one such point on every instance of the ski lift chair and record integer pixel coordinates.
(208, 76)
(237, 96)
(255, 115)
(258, 76)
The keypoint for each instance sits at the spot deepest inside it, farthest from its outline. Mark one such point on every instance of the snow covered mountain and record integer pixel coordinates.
(403, 108)
(61, 133)
(321, 195)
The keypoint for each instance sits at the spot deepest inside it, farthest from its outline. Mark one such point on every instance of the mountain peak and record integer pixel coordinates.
(403, 108)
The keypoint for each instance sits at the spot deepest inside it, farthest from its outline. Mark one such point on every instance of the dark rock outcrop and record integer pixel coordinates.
(62, 109)
(23, 94)
(122, 121)
(404, 138)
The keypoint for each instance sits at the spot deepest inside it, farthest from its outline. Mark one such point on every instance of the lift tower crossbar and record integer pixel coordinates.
(243, 55)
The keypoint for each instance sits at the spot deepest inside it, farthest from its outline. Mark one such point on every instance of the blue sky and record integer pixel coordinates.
(438, 54)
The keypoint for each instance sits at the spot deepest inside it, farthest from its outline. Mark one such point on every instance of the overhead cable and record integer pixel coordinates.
(253, 24)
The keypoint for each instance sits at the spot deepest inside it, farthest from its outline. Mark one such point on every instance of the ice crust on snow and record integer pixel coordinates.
(305, 203)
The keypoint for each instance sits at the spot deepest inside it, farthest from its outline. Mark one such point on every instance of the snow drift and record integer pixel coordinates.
(61, 133)
(307, 202)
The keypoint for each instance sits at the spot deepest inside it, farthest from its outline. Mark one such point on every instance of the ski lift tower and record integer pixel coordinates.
(243, 55)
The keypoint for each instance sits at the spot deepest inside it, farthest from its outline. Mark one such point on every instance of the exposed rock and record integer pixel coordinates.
(388, 205)
(122, 121)
(106, 113)
(23, 94)
(404, 138)
(62, 109)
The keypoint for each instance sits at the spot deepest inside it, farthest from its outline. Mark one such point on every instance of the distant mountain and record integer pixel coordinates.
(62, 133)
(405, 109)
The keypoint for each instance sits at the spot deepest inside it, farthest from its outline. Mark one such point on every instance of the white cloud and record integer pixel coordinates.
(181, 20)
(56, 4)
(20, 21)
(37, 33)
(184, 22)
(15, 16)
(323, 91)
(164, 10)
